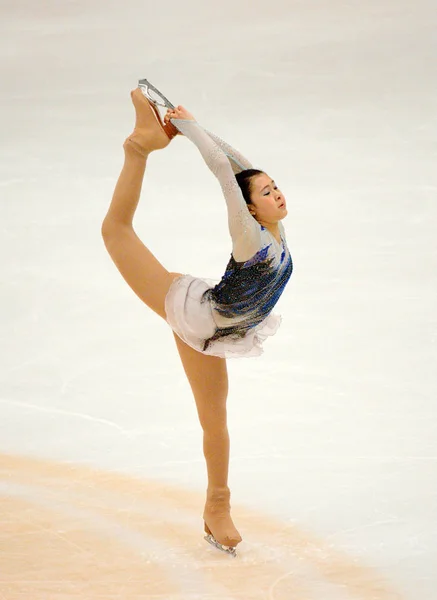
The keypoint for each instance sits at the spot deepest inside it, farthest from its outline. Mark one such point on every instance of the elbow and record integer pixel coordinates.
(221, 168)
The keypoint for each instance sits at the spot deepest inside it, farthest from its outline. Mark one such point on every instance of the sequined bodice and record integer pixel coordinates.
(248, 291)
(259, 267)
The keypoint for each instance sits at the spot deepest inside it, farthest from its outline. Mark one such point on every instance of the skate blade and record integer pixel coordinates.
(226, 549)
(153, 94)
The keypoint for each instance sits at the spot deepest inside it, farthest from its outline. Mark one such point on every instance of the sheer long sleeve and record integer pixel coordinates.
(238, 161)
(223, 161)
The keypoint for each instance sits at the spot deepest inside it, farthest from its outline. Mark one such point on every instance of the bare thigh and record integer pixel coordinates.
(148, 278)
(141, 270)
(208, 378)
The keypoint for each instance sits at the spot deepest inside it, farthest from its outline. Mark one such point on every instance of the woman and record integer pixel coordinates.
(210, 322)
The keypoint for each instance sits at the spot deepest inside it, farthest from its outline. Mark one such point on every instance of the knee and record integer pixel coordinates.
(108, 228)
(214, 429)
(214, 422)
(112, 228)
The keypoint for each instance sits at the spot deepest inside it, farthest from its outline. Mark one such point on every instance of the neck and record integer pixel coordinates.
(273, 228)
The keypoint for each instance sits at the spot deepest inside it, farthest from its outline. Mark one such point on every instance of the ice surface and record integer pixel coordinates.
(334, 427)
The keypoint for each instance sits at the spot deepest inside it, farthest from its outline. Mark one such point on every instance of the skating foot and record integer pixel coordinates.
(226, 549)
(218, 521)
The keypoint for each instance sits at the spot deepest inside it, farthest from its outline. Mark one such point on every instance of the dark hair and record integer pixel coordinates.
(244, 179)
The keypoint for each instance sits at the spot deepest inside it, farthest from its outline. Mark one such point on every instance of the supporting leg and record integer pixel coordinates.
(208, 379)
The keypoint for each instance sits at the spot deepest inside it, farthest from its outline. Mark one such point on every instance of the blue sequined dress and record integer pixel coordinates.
(231, 318)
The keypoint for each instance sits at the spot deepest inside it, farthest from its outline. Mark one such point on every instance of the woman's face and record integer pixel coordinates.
(267, 201)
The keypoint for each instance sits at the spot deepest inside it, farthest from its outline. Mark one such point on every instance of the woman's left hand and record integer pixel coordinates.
(179, 112)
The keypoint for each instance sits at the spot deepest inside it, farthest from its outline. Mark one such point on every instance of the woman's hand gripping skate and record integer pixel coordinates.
(179, 112)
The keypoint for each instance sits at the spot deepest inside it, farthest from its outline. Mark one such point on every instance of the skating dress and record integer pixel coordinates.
(231, 318)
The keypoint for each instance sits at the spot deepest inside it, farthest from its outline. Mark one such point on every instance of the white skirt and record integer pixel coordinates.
(192, 319)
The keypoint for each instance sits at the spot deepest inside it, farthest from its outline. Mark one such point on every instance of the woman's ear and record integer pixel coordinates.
(251, 209)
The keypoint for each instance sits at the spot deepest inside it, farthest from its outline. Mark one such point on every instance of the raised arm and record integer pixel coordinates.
(244, 229)
(237, 160)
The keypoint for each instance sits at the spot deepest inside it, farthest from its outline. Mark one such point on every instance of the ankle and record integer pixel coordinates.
(133, 150)
(218, 500)
(218, 492)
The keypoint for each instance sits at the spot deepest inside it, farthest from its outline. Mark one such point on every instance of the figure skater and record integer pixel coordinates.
(210, 321)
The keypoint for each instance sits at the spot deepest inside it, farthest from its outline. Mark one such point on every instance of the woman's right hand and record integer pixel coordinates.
(179, 112)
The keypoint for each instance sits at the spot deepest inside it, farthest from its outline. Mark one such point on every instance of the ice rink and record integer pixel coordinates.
(334, 427)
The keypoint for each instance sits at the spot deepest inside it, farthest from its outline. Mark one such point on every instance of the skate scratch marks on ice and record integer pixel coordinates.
(74, 530)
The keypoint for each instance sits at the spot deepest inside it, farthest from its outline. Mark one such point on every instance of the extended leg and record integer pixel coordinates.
(208, 379)
(140, 269)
